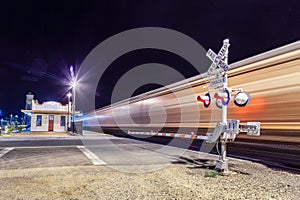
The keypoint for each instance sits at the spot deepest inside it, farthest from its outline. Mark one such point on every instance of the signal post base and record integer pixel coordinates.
(222, 165)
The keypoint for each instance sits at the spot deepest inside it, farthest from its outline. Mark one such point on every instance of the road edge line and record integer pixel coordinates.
(91, 156)
(5, 151)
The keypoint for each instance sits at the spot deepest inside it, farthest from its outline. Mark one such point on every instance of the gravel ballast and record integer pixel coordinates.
(176, 181)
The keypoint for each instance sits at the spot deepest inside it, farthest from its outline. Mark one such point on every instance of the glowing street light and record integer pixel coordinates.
(73, 84)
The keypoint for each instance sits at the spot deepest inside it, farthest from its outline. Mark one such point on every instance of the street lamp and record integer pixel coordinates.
(68, 118)
(73, 86)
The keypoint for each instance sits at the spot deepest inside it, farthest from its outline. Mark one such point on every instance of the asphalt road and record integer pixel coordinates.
(132, 154)
(124, 154)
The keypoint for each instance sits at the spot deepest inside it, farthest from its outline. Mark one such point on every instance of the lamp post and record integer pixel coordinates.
(73, 85)
(68, 118)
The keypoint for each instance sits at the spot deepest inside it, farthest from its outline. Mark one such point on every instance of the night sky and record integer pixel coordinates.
(39, 40)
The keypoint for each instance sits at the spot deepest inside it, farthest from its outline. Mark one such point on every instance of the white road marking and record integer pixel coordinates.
(90, 155)
(6, 150)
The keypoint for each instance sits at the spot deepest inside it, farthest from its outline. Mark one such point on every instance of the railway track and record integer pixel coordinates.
(274, 155)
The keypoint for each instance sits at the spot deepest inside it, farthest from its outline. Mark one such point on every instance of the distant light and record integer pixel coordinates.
(69, 95)
(72, 71)
(16, 116)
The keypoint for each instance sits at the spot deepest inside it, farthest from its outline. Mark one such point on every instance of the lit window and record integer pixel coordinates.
(62, 120)
(39, 120)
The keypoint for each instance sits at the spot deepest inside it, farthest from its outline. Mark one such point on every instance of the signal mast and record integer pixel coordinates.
(218, 90)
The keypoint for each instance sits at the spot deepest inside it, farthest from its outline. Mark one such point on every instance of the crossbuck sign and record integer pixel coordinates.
(217, 59)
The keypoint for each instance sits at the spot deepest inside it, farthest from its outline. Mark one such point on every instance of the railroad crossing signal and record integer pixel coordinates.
(226, 130)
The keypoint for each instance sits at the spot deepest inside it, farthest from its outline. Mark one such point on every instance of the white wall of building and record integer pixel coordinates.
(45, 123)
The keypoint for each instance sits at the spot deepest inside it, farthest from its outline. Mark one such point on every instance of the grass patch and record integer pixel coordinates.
(211, 173)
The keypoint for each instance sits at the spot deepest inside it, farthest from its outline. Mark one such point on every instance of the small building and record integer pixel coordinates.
(49, 116)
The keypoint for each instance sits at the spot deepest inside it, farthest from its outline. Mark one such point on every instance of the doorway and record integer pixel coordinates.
(51, 123)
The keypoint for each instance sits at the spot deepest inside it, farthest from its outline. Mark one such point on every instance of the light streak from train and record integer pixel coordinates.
(272, 79)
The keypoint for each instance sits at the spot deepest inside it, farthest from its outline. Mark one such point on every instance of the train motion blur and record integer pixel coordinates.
(271, 78)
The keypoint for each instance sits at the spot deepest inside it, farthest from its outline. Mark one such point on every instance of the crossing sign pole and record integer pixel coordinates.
(226, 130)
(222, 164)
(220, 61)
